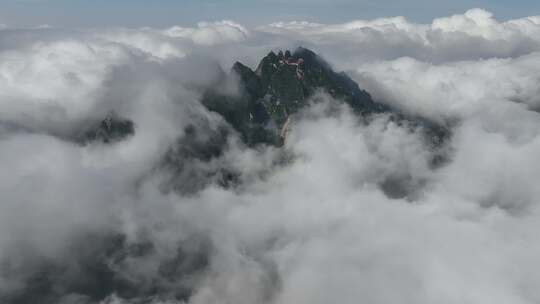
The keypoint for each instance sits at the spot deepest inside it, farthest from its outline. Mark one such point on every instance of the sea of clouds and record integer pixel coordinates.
(307, 223)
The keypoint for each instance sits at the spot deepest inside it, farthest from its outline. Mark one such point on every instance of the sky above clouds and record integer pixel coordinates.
(187, 12)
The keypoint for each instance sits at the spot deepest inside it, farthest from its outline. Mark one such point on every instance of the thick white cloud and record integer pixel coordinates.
(211, 33)
(309, 223)
(148, 41)
(494, 91)
(473, 35)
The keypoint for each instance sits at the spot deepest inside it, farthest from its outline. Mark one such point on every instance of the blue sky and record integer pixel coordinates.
(251, 12)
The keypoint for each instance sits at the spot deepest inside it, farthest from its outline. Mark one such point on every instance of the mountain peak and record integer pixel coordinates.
(280, 86)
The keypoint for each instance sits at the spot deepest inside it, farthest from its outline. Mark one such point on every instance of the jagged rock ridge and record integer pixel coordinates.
(279, 87)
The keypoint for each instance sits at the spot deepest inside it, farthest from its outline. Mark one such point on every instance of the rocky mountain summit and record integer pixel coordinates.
(279, 87)
(282, 84)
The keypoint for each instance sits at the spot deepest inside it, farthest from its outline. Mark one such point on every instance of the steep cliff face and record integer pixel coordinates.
(279, 87)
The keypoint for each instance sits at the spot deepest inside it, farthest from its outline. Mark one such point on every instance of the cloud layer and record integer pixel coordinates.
(307, 223)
